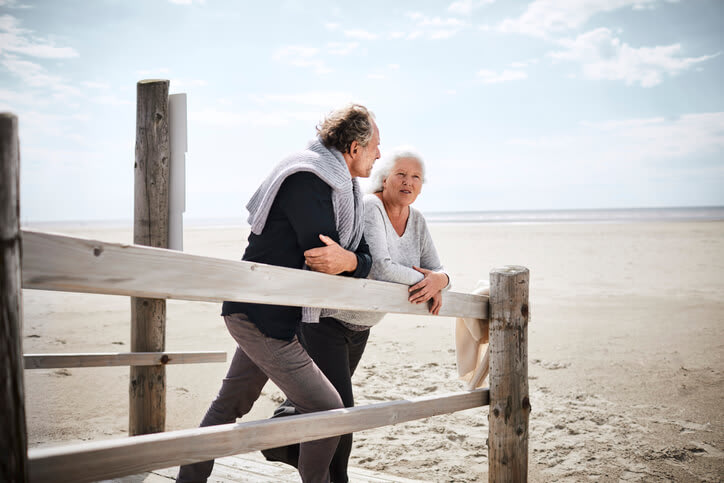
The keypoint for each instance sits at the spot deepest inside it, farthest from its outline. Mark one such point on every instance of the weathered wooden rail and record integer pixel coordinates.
(58, 262)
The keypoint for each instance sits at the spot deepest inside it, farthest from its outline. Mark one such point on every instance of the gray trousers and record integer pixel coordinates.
(257, 359)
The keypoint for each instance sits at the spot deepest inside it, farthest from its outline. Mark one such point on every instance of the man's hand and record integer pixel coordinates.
(425, 289)
(331, 259)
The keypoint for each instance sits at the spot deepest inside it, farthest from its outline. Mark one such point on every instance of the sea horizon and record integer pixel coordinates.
(587, 215)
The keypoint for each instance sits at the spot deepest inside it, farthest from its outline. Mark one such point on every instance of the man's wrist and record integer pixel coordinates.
(352, 264)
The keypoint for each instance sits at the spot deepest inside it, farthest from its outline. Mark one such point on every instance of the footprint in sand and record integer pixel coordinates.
(551, 365)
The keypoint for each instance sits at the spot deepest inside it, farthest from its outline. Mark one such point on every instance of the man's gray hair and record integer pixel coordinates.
(341, 127)
(384, 166)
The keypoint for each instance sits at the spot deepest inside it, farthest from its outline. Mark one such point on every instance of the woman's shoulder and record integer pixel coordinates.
(371, 202)
(417, 214)
(371, 198)
(417, 219)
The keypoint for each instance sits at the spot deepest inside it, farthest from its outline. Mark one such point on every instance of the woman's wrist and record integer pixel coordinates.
(443, 280)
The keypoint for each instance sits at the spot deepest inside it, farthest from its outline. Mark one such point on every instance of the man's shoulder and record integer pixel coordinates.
(306, 181)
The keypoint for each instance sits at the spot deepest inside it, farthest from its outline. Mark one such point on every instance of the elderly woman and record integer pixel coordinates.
(403, 252)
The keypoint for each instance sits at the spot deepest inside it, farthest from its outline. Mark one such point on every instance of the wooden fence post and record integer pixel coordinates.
(509, 402)
(13, 431)
(147, 391)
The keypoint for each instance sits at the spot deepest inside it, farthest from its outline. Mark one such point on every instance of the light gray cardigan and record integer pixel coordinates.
(392, 255)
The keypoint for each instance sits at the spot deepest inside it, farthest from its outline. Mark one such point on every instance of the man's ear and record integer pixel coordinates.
(354, 148)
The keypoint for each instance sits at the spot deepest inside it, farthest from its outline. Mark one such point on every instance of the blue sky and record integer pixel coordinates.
(543, 104)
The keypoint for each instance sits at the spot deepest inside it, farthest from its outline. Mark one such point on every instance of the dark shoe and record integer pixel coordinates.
(285, 454)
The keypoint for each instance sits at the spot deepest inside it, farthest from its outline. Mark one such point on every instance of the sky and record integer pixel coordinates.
(514, 105)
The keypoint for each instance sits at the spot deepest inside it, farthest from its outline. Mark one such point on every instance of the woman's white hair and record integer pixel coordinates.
(384, 166)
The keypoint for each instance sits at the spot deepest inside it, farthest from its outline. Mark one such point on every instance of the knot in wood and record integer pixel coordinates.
(97, 251)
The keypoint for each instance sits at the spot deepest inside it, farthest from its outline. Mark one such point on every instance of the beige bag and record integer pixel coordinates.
(471, 345)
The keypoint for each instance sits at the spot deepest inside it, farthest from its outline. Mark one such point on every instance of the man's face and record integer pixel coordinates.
(363, 158)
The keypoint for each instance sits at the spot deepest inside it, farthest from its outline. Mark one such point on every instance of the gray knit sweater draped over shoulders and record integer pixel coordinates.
(329, 165)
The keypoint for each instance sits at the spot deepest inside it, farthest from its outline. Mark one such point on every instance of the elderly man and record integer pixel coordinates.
(309, 210)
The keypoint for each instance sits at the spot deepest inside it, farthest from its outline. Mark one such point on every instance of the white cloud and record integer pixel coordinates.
(177, 84)
(466, 7)
(342, 48)
(41, 125)
(302, 56)
(16, 40)
(13, 4)
(434, 28)
(111, 100)
(96, 85)
(492, 77)
(642, 139)
(376, 76)
(318, 99)
(360, 34)
(158, 72)
(543, 17)
(188, 2)
(12, 100)
(523, 63)
(231, 119)
(35, 75)
(604, 56)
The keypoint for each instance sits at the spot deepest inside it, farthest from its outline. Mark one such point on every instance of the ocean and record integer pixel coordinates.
(619, 215)
(622, 215)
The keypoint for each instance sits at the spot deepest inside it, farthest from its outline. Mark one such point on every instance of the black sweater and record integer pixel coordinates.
(301, 211)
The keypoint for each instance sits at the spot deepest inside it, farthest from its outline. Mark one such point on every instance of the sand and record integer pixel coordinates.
(626, 349)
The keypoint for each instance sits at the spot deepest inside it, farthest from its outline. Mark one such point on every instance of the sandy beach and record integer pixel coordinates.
(626, 349)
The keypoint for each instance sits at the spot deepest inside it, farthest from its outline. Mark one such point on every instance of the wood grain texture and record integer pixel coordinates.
(118, 457)
(509, 399)
(13, 432)
(55, 361)
(59, 262)
(147, 385)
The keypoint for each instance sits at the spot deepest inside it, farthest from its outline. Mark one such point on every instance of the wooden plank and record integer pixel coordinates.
(509, 404)
(54, 361)
(280, 471)
(13, 441)
(252, 466)
(147, 384)
(118, 457)
(70, 264)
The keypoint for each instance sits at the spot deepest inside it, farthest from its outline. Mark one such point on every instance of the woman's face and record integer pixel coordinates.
(404, 182)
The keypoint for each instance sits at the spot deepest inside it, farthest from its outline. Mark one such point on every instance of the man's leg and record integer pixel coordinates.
(241, 387)
(289, 366)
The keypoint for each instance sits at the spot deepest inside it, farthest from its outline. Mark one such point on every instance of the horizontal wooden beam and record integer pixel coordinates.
(58, 262)
(127, 456)
(54, 361)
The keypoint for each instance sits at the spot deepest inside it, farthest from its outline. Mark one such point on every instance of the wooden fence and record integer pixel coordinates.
(37, 260)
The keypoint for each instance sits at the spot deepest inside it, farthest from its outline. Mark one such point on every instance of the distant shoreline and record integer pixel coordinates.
(608, 215)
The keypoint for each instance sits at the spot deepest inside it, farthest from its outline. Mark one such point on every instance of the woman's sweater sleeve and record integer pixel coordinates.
(383, 267)
(429, 258)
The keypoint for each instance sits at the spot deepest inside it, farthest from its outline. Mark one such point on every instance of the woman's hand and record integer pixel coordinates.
(436, 303)
(425, 289)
